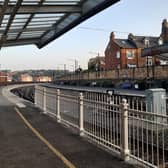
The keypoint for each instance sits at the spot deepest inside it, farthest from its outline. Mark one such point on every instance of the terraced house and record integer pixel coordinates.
(126, 53)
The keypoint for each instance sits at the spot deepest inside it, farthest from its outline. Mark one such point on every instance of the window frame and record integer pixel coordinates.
(118, 55)
(130, 54)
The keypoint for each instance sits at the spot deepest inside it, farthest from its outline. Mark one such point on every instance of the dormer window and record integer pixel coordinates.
(146, 41)
(160, 41)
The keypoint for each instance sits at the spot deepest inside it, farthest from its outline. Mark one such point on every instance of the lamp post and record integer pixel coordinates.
(147, 58)
(64, 68)
(75, 63)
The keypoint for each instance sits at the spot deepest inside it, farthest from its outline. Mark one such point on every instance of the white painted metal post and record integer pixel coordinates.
(124, 130)
(81, 115)
(44, 100)
(58, 106)
(35, 95)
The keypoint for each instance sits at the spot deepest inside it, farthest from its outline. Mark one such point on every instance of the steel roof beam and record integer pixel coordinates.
(66, 16)
(46, 9)
(11, 18)
(52, 2)
(152, 51)
(3, 11)
(87, 11)
(9, 43)
(163, 57)
(28, 21)
(27, 30)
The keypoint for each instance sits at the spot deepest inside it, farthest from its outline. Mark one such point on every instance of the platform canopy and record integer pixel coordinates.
(160, 51)
(41, 21)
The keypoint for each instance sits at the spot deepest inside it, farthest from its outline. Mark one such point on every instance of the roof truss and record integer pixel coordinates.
(41, 21)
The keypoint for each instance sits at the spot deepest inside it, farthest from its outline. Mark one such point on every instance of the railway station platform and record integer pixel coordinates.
(29, 138)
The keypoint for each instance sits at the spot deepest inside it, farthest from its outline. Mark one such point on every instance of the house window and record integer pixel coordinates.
(149, 61)
(130, 54)
(118, 54)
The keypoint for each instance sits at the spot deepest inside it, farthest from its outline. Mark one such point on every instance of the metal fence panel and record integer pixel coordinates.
(102, 119)
(69, 107)
(148, 133)
(107, 121)
(39, 92)
(51, 100)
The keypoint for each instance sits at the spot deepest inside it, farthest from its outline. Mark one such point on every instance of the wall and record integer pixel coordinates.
(111, 61)
(156, 72)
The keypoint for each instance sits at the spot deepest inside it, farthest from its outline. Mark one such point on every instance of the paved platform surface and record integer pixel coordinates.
(21, 148)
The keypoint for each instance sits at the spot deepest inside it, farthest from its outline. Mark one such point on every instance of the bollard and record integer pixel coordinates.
(124, 130)
(81, 120)
(58, 106)
(44, 100)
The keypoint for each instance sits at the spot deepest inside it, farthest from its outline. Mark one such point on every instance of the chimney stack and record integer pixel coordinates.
(164, 33)
(131, 37)
(112, 36)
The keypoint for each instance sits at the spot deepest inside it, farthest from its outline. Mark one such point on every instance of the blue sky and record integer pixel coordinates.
(140, 17)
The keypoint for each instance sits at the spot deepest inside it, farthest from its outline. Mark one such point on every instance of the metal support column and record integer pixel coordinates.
(44, 100)
(81, 118)
(58, 106)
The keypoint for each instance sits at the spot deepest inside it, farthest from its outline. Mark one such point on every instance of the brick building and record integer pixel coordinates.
(26, 78)
(3, 77)
(96, 64)
(42, 79)
(125, 53)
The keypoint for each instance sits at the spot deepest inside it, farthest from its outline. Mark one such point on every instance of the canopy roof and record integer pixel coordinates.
(41, 21)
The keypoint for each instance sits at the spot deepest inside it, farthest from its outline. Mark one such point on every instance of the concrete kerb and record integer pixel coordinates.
(6, 92)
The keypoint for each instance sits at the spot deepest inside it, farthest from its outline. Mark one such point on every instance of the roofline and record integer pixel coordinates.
(116, 43)
(123, 47)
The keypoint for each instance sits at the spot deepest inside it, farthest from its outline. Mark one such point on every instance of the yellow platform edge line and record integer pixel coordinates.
(52, 148)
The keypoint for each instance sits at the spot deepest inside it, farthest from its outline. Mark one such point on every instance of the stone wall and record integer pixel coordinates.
(154, 72)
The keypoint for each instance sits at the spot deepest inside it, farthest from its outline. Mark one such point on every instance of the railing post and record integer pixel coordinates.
(44, 100)
(81, 120)
(58, 106)
(36, 95)
(124, 130)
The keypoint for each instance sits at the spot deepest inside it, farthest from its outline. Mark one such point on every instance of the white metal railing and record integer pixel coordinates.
(148, 137)
(120, 125)
(102, 119)
(69, 108)
(51, 101)
(167, 105)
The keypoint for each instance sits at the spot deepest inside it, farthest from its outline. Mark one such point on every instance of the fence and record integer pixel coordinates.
(117, 124)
